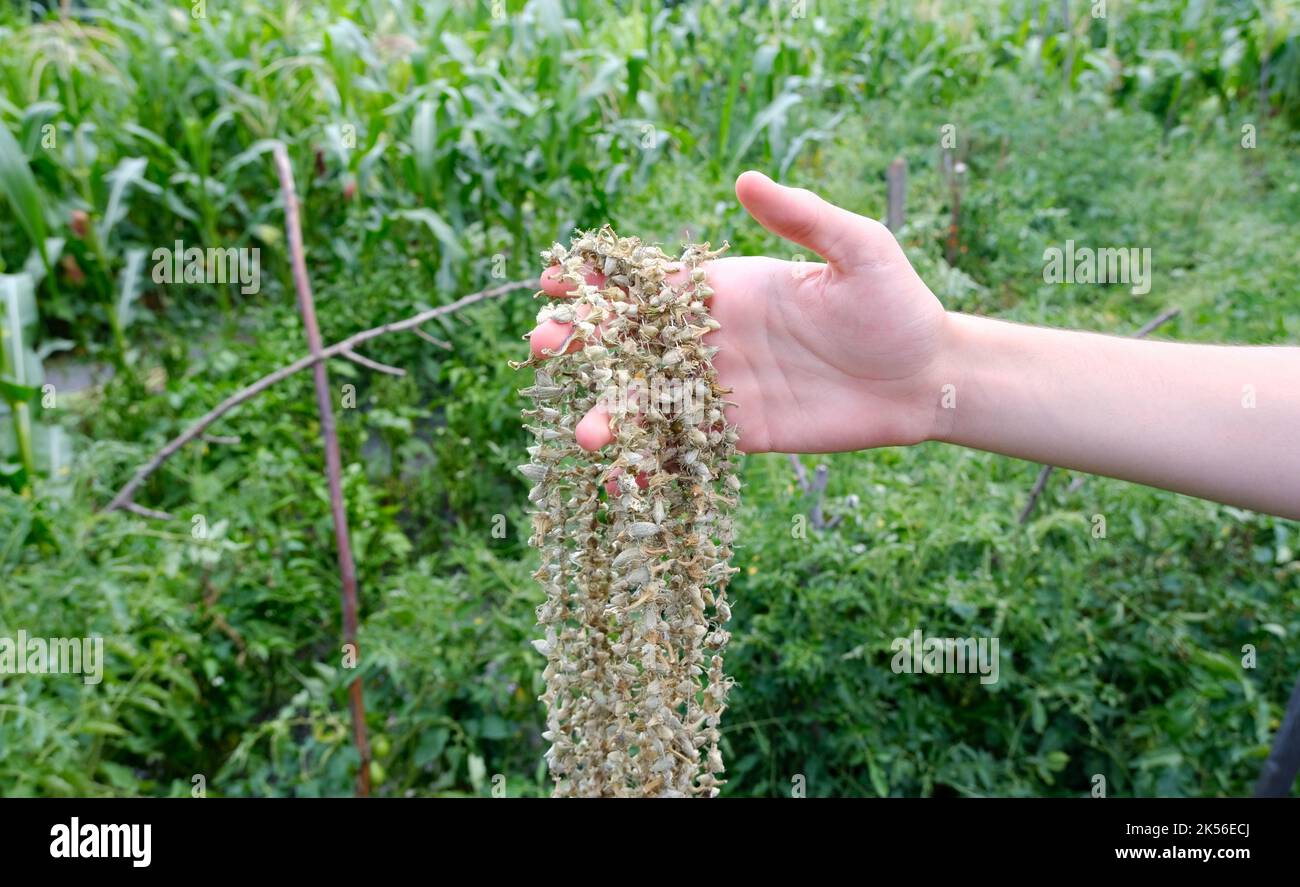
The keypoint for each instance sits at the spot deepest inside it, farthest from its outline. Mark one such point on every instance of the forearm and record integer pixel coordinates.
(1218, 422)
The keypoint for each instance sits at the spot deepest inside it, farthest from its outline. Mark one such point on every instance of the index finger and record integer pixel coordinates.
(557, 287)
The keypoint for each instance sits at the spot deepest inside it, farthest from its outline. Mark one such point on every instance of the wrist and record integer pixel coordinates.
(947, 374)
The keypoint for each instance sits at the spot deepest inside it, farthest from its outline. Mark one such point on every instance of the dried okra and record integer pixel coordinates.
(635, 538)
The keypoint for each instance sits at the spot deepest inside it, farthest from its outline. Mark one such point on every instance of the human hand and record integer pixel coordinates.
(819, 357)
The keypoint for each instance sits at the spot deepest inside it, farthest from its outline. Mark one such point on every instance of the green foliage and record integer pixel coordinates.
(436, 149)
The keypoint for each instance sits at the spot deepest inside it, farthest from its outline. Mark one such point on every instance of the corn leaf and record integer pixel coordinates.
(128, 172)
(424, 137)
(128, 286)
(18, 185)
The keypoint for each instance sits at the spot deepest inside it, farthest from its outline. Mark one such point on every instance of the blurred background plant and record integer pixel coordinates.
(438, 146)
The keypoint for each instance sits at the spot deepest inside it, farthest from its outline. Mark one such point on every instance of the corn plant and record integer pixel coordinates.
(17, 362)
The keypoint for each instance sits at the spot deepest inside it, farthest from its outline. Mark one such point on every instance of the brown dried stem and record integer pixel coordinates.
(123, 498)
(333, 461)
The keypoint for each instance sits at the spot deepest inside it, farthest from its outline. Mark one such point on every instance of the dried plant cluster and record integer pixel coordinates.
(635, 539)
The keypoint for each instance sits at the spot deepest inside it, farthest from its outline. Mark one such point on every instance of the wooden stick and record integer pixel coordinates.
(1041, 483)
(124, 496)
(800, 474)
(817, 488)
(333, 461)
(954, 170)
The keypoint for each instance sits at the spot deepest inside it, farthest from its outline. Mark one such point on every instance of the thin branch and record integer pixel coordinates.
(124, 495)
(1041, 483)
(374, 364)
(1156, 322)
(433, 340)
(150, 513)
(230, 439)
(1044, 473)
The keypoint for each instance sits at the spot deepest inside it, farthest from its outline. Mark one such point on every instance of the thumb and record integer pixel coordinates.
(842, 238)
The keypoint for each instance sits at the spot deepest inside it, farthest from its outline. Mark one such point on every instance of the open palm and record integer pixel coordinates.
(819, 357)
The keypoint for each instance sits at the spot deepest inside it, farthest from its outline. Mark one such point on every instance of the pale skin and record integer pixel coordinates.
(856, 352)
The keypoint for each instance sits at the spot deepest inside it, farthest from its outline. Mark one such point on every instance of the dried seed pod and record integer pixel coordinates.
(635, 571)
(533, 471)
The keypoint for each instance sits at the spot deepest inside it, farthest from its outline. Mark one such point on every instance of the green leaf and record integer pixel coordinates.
(18, 185)
(118, 776)
(764, 58)
(18, 303)
(369, 159)
(34, 267)
(477, 771)
(877, 776)
(424, 137)
(636, 63)
(15, 393)
(772, 119)
(494, 727)
(247, 156)
(54, 453)
(1158, 760)
(128, 286)
(54, 346)
(824, 133)
(129, 171)
(458, 49)
(442, 232)
(35, 117)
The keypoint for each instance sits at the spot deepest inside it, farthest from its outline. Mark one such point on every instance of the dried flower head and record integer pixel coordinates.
(635, 539)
